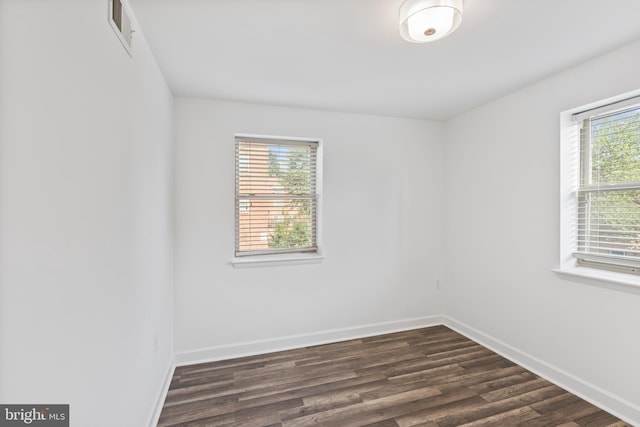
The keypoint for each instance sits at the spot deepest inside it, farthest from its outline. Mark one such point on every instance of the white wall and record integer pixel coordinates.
(86, 244)
(382, 231)
(85, 215)
(502, 237)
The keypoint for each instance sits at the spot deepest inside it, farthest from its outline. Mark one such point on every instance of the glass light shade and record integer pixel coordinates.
(429, 20)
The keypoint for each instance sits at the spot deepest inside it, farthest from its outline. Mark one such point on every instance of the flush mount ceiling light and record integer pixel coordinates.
(429, 20)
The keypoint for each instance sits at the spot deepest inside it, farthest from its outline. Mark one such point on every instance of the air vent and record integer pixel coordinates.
(120, 21)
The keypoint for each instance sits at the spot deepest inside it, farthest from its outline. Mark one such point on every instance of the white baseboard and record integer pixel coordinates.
(162, 395)
(251, 348)
(611, 403)
(621, 408)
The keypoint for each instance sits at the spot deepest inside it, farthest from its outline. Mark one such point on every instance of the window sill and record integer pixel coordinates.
(275, 260)
(608, 279)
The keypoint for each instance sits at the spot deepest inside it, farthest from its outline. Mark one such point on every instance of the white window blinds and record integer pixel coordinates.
(608, 194)
(276, 196)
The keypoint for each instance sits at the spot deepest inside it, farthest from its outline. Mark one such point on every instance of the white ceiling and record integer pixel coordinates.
(347, 55)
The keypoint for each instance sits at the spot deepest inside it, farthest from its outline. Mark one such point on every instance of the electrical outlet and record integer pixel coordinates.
(156, 343)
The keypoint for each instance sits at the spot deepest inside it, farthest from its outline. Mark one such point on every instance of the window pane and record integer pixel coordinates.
(610, 223)
(615, 147)
(277, 224)
(608, 234)
(276, 197)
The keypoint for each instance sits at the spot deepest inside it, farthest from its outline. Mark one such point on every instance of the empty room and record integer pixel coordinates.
(341, 213)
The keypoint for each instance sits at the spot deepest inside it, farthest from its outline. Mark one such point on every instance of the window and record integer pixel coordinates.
(604, 173)
(277, 186)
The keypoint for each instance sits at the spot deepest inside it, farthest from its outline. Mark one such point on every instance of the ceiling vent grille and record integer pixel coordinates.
(120, 21)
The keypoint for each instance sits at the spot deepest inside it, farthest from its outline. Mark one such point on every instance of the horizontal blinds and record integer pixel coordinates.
(276, 196)
(609, 188)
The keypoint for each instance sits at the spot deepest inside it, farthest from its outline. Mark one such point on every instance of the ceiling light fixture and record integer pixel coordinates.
(429, 20)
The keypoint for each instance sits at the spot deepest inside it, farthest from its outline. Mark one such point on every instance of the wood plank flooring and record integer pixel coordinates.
(431, 377)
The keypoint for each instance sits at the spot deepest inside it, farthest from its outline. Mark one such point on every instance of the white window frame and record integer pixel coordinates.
(292, 258)
(571, 263)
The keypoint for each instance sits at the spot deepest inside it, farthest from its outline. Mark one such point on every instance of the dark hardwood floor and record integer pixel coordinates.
(431, 377)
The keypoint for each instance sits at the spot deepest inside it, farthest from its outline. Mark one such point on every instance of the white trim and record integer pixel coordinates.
(294, 258)
(126, 13)
(162, 395)
(251, 261)
(606, 107)
(271, 138)
(250, 348)
(594, 106)
(570, 120)
(611, 403)
(611, 279)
